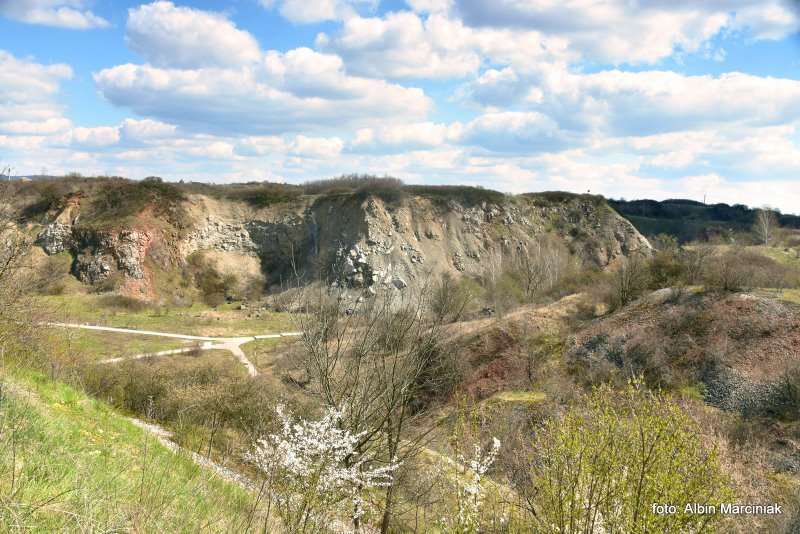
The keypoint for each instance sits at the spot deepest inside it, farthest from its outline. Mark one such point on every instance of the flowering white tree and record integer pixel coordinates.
(312, 471)
(470, 490)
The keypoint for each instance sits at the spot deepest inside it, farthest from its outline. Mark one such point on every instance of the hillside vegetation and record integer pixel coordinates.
(689, 220)
(455, 361)
(69, 463)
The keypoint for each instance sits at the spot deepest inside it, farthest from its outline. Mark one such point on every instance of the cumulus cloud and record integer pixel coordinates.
(97, 137)
(145, 130)
(624, 103)
(28, 90)
(401, 45)
(43, 127)
(316, 147)
(407, 45)
(407, 136)
(292, 91)
(182, 37)
(430, 6)
(72, 14)
(619, 31)
(311, 11)
(513, 131)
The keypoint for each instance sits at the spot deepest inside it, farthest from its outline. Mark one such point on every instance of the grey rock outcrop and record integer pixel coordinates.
(98, 253)
(55, 238)
(351, 240)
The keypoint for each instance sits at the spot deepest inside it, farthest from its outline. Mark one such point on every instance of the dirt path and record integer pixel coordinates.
(230, 344)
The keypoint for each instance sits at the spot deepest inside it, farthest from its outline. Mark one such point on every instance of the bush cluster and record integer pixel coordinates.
(721, 269)
(191, 389)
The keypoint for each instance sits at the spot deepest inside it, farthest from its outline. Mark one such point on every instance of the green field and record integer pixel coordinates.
(69, 463)
(96, 345)
(198, 319)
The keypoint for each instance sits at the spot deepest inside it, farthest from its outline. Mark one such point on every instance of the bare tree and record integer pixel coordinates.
(492, 271)
(630, 279)
(766, 225)
(16, 324)
(450, 299)
(376, 360)
(541, 265)
(694, 261)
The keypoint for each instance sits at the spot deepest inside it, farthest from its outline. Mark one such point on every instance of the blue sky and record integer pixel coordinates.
(645, 98)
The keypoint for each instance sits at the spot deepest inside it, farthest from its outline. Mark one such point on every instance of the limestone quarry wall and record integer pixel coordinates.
(347, 239)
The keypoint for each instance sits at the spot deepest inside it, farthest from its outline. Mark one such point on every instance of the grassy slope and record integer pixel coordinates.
(70, 463)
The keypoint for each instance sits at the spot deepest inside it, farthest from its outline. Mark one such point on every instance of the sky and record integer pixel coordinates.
(625, 98)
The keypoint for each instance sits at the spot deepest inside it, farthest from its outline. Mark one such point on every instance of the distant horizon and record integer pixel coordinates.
(300, 184)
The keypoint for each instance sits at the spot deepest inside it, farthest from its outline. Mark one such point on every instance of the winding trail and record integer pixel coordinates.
(230, 344)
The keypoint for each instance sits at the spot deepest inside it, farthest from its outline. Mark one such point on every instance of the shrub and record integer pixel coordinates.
(186, 389)
(311, 472)
(667, 266)
(784, 397)
(122, 302)
(213, 285)
(452, 298)
(120, 198)
(541, 267)
(629, 281)
(264, 195)
(551, 198)
(601, 468)
(361, 186)
(463, 194)
(50, 275)
(738, 269)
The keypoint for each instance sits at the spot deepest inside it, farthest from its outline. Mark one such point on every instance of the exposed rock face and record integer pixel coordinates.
(98, 253)
(358, 242)
(55, 238)
(368, 242)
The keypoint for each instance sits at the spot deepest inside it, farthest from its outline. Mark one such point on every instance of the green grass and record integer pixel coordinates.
(779, 254)
(195, 320)
(69, 463)
(94, 345)
(791, 295)
(528, 397)
(264, 353)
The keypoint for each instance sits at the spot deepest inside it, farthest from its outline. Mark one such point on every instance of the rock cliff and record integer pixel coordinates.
(362, 241)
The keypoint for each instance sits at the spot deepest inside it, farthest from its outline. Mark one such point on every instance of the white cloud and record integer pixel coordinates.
(406, 45)
(621, 31)
(715, 189)
(59, 13)
(768, 20)
(44, 127)
(401, 45)
(212, 149)
(399, 137)
(513, 131)
(621, 103)
(312, 11)
(89, 138)
(498, 88)
(28, 91)
(145, 130)
(430, 6)
(298, 90)
(260, 145)
(182, 37)
(316, 147)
